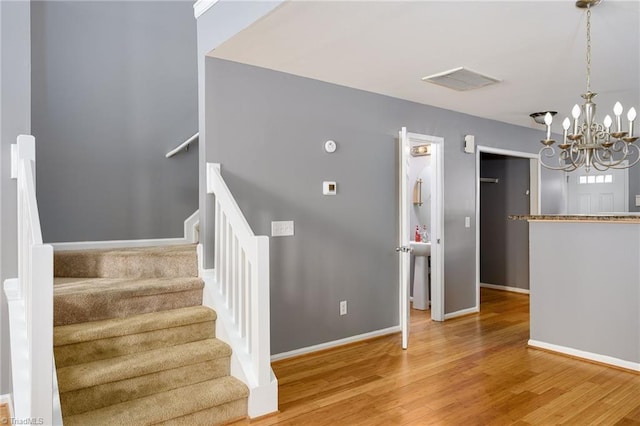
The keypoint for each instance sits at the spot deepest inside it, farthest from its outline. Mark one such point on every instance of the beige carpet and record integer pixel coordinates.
(133, 343)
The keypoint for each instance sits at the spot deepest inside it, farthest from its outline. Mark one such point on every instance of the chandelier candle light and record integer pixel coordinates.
(591, 144)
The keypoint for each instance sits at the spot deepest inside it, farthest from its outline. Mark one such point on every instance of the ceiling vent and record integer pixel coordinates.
(460, 79)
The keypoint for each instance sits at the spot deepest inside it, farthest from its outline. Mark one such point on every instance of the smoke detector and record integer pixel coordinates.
(461, 79)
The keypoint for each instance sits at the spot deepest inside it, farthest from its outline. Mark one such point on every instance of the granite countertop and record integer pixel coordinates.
(609, 217)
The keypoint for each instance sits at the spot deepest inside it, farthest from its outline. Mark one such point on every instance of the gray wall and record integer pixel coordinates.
(15, 106)
(552, 192)
(504, 243)
(215, 26)
(634, 187)
(114, 89)
(592, 305)
(267, 129)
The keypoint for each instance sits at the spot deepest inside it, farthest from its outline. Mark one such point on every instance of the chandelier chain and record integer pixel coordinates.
(588, 49)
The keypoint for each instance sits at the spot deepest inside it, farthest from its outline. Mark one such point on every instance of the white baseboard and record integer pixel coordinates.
(505, 288)
(190, 227)
(89, 245)
(603, 359)
(462, 312)
(335, 343)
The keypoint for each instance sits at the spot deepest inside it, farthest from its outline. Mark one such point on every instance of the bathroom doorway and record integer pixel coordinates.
(415, 198)
(507, 183)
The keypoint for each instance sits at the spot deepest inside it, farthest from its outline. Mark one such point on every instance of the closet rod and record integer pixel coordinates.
(489, 180)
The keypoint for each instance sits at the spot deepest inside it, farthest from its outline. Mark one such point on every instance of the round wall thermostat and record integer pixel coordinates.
(330, 146)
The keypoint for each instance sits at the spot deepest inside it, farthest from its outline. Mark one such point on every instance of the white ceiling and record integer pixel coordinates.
(537, 48)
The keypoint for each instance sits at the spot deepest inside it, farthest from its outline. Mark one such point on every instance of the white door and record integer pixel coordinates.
(403, 249)
(597, 192)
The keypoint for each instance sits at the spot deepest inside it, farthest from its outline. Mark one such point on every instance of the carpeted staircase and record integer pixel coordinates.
(134, 345)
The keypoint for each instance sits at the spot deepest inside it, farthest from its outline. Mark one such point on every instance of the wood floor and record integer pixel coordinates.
(473, 370)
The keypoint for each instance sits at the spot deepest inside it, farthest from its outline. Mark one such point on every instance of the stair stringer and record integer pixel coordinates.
(263, 399)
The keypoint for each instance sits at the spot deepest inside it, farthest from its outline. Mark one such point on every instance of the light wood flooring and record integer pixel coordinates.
(473, 370)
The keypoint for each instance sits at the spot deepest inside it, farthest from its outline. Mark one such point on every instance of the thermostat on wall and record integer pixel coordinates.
(329, 188)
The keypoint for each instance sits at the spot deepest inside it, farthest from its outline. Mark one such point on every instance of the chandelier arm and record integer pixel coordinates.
(550, 152)
(577, 156)
(632, 147)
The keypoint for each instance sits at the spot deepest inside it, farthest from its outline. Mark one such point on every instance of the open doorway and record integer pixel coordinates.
(507, 184)
(420, 205)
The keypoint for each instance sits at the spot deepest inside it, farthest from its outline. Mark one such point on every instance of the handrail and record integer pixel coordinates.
(184, 145)
(242, 285)
(30, 300)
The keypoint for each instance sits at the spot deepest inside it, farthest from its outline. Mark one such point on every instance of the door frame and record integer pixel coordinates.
(437, 229)
(534, 196)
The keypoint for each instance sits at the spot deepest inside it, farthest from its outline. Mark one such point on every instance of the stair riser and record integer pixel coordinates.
(231, 411)
(113, 266)
(92, 398)
(72, 309)
(95, 350)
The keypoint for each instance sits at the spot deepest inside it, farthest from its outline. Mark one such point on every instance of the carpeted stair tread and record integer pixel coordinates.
(125, 367)
(76, 333)
(95, 397)
(132, 286)
(92, 299)
(169, 405)
(133, 344)
(139, 262)
(96, 340)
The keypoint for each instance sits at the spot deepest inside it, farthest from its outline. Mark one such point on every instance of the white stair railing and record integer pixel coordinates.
(30, 301)
(241, 293)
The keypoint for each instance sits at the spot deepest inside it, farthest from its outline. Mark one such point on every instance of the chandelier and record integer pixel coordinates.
(588, 143)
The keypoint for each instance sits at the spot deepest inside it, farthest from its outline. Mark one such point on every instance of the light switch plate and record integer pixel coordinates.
(282, 228)
(467, 222)
(637, 200)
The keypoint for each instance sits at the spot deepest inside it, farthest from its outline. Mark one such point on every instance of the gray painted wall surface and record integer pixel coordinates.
(15, 119)
(552, 192)
(267, 129)
(504, 243)
(215, 26)
(584, 302)
(114, 89)
(634, 187)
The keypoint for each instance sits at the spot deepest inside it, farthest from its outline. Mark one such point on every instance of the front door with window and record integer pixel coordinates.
(597, 192)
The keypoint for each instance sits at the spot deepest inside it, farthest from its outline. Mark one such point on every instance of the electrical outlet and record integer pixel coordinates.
(282, 228)
(343, 307)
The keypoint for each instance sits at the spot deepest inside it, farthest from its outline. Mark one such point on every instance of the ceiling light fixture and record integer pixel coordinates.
(591, 144)
(420, 150)
(538, 117)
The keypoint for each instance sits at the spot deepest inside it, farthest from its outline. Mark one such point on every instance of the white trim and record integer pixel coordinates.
(89, 245)
(505, 288)
(335, 343)
(201, 6)
(604, 359)
(437, 217)
(506, 152)
(532, 187)
(461, 312)
(190, 227)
